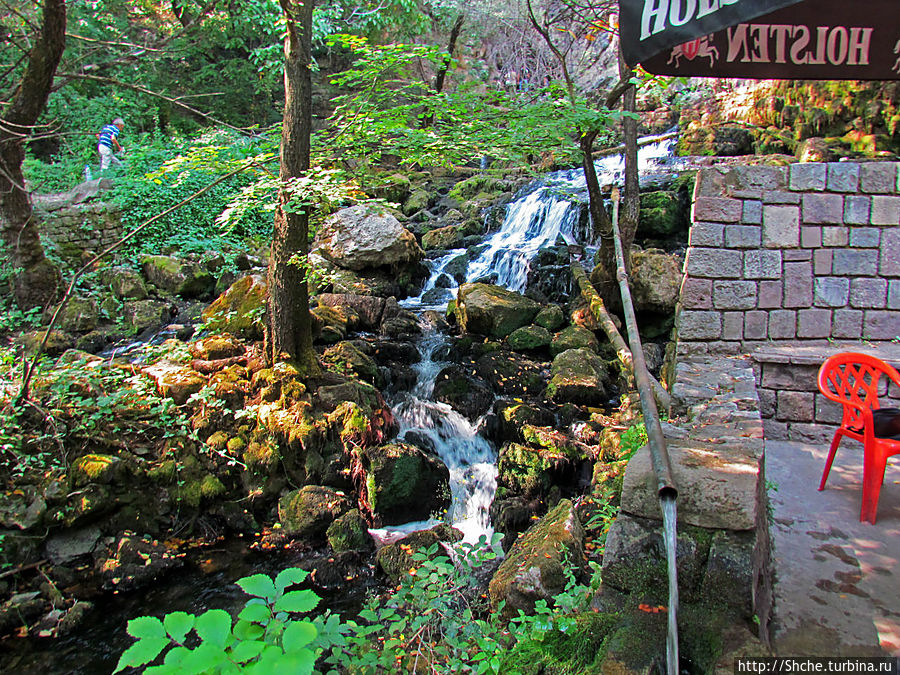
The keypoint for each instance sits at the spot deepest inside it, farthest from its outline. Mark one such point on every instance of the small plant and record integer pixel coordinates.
(633, 439)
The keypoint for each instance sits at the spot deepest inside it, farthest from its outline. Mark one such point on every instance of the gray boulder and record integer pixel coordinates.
(493, 310)
(358, 237)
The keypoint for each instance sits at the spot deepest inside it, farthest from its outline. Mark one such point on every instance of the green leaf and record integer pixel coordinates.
(146, 627)
(247, 650)
(289, 577)
(141, 652)
(257, 613)
(297, 635)
(297, 601)
(203, 659)
(214, 626)
(178, 625)
(258, 585)
(244, 630)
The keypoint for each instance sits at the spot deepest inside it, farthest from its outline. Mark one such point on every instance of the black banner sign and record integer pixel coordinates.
(647, 27)
(813, 40)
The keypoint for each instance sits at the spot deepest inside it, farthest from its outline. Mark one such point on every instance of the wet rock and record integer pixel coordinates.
(512, 515)
(360, 237)
(551, 318)
(574, 337)
(528, 338)
(404, 483)
(492, 310)
(124, 282)
(404, 324)
(349, 533)
(457, 267)
(514, 415)
(136, 562)
(579, 376)
(73, 617)
(68, 545)
(537, 565)
(467, 395)
(511, 374)
(186, 278)
(396, 559)
(306, 513)
(20, 610)
(655, 281)
(532, 471)
(240, 310)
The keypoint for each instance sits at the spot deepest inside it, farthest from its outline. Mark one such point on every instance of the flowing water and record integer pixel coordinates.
(667, 504)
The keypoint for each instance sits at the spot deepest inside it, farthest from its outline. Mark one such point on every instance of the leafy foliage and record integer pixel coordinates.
(437, 619)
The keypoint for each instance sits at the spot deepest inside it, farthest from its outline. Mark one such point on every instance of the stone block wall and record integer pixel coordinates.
(79, 227)
(799, 253)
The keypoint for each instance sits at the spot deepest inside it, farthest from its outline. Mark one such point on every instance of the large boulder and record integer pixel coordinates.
(574, 337)
(537, 566)
(579, 376)
(308, 512)
(186, 278)
(450, 236)
(80, 315)
(404, 483)
(468, 395)
(140, 315)
(239, 310)
(655, 280)
(493, 310)
(511, 374)
(124, 282)
(358, 237)
(363, 312)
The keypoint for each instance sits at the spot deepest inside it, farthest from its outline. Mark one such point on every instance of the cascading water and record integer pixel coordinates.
(469, 457)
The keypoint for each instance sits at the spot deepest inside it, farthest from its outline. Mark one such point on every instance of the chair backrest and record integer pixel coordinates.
(852, 380)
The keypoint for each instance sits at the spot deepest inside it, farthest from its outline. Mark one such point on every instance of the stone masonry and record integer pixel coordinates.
(77, 221)
(799, 253)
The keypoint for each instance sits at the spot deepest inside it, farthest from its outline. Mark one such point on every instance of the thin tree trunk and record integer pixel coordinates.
(451, 47)
(36, 279)
(289, 333)
(628, 220)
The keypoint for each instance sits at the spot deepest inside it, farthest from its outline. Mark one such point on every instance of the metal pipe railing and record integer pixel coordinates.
(655, 440)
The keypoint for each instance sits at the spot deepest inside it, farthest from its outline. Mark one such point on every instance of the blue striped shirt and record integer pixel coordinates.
(107, 134)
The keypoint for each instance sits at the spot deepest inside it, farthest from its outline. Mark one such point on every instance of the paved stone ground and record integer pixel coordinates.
(837, 589)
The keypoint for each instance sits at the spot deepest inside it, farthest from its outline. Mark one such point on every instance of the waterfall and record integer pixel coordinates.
(469, 457)
(543, 212)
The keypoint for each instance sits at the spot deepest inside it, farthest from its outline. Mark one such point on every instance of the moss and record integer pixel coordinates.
(349, 533)
(164, 473)
(480, 186)
(93, 468)
(261, 456)
(218, 440)
(211, 487)
(236, 445)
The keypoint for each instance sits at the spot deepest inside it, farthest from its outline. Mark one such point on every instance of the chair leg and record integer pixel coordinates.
(835, 442)
(873, 477)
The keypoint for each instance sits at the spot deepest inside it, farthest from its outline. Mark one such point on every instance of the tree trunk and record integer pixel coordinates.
(36, 279)
(289, 334)
(628, 217)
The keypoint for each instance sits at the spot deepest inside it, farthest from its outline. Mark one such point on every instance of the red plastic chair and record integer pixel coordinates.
(853, 380)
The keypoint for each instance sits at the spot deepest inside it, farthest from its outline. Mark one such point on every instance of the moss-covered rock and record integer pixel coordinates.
(492, 310)
(537, 565)
(186, 278)
(175, 381)
(404, 483)
(396, 559)
(349, 533)
(574, 337)
(655, 281)
(216, 347)
(307, 512)
(528, 338)
(510, 373)
(663, 214)
(551, 318)
(347, 358)
(329, 324)
(240, 310)
(531, 471)
(416, 201)
(57, 342)
(95, 468)
(124, 282)
(514, 415)
(80, 315)
(449, 236)
(579, 376)
(140, 315)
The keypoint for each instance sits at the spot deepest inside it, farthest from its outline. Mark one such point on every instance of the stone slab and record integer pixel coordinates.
(716, 479)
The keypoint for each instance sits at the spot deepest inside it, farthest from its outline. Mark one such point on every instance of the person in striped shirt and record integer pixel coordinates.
(107, 139)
